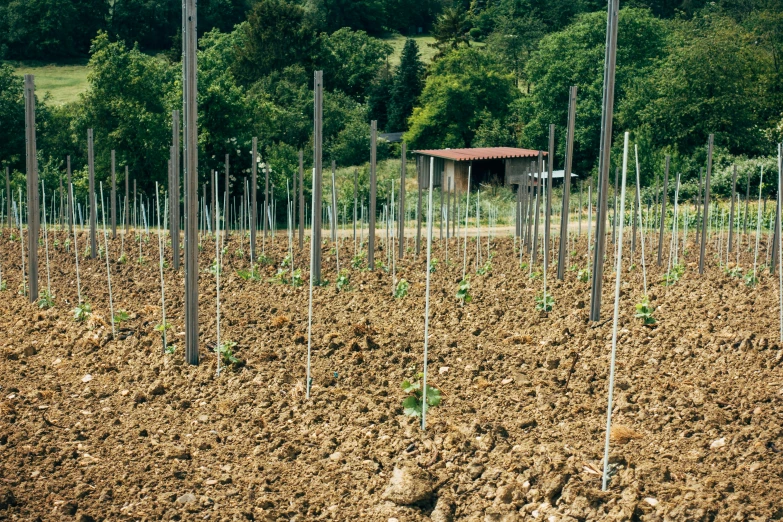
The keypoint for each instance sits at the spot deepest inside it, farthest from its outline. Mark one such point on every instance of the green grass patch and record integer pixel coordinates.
(397, 41)
(64, 82)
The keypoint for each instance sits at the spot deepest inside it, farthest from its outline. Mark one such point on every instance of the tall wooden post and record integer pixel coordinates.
(699, 201)
(254, 200)
(373, 186)
(664, 197)
(604, 158)
(706, 219)
(401, 211)
(561, 260)
(32, 186)
(113, 206)
(731, 212)
(91, 185)
(191, 182)
(62, 207)
(301, 200)
(548, 208)
(420, 173)
(174, 190)
(539, 192)
(317, 174)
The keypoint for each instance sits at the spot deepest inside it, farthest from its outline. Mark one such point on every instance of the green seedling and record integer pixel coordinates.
(46, 300)
(523, 266)
(487, 268)
(22, 289)
(573, 268)
(750, 279)
(296, 279)
(674, 275)
(82, 311)
(644, 311)
(735, 272)
(223, 251)
(583, 275)
(343, 281)
(163, 327)
(68, 245)
(239, 253)
(265, 260)
(413, 404)
(123, 259)
(433, 265)
(357, 261)
(226, 353)
(121, 316)
(214, 267)
(249, 275)
(3, 286)
(286, 261)
(536, 275)
(545, 302)
(170, 349)
(463, 293)
(402, 289)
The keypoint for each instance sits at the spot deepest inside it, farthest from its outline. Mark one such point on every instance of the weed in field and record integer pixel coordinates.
(463, 293)
(413, 404)
(343, 281)
(545, 302)
(249, 275)
(644, 311)
(402, 289)
(82, 311)
(46, 300)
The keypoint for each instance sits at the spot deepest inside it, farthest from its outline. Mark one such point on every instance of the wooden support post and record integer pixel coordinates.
(373, 187)
(731, 212)
(539, 193)
(91, 185)
(174, 190)
(705, 221)
(604, 158)
(190, 115)
(420, 161)
(664, 197)
(401, 211)
(33, 213)
(254, 200)
(318, 137)
(113, 205)
(548, 208)
(561, 260)
(301, 200)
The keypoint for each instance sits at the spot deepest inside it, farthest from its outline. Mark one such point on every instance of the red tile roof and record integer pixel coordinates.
(480, 153)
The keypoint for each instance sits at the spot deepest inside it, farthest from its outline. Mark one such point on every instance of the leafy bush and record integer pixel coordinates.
(412, 405)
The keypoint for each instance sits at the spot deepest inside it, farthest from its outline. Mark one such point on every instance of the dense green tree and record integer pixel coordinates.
(364, 15)
(49, 29)
(350, 60)
(464, 88)
(277, 34)
(574, 56)
(516, 35)
(408, 83)
(451, 30)
(379, 97)
(11, 118)
(408, 16)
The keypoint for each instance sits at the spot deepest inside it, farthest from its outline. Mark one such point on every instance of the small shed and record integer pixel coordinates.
(489, 165)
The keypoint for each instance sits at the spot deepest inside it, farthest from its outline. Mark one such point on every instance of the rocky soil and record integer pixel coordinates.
(95, 427)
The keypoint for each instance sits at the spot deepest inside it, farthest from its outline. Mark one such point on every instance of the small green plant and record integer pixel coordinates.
(68, 245)
(82, 311)
(101, 252)
(674, 274)
(123, 259)
(141, 260)
(22, 289)
(249, 275)
(343, 281)
(402, 289)
(357, 261)
(523, 266)
(536, 275)
(223, 251)
(286, 261)
(296, 278)
(281, 277)
(545, 302)
(487, 268)
(413, 404)
(644, 311)
(170, 349)
(56, 243)
(165, 263)
(13, 237)
(214, 267)
(226, 353)
(463, 293)
(750, 279)
(735, 272)
(46, 300)
(573, 268)
(265, 260)
(239, 253)
(87, 251)
(121, 316)
(632, 267)
(163, 327)
(583, 275)
(3, 286)
(433, 266)
(380, 266)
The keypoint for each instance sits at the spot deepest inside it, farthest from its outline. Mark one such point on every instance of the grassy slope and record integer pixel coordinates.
(63, 81)
(397, 41)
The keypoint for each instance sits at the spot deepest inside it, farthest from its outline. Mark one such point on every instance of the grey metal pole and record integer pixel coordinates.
(561, 260)
(731, 212)
(335, 221)
(747, 198)
(113, 206)
(664, 197)
(633, 222)
(315, 223)
(254, 200)
(91, 186)
(174, 190)
(699, 202)
(8, 194)
(538, 209)
(419, 173)
(355, 203)
(401, 212)
(32, 185)
(706, 205)
(614, 212)
(548, 208)
(604, 158)
(373, 186)
(301, 200)
(191, 183)
(267, 224)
